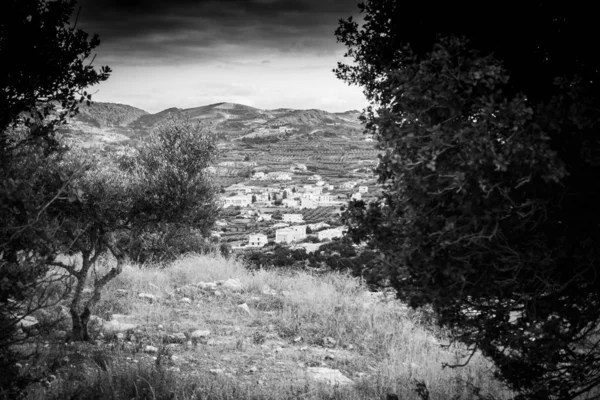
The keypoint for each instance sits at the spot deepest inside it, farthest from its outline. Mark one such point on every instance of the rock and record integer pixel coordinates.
(198, 334)
(180, 337)
(233, 284)
(329, 357)
(297, 339)
(147, 296)
(160, 327)
(349, 346)
(121, 292)
(244, 307)
(216, 371)
(329, 342)
(329, 376)
(111, 328)
(206, 285)
(121, 336)
(186, 300)
(153, 286)
(266, 289)
(218, 293)
(150, 350)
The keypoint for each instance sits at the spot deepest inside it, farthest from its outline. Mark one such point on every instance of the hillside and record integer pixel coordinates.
(230, 119)
(207, 328)
(103, 115)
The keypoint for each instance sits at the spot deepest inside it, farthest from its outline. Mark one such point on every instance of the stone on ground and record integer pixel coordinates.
(329, 376)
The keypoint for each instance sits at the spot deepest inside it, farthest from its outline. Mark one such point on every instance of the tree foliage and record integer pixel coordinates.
(489, 127)
(44, 65)
(161, 189)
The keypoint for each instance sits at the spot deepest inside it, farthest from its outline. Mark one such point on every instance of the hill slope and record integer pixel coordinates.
(103, 115)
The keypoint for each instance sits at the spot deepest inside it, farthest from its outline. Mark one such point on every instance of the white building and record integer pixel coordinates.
(280, 225)
(264, 217)
(320, 183)
(318, 225)
(314, 178)
(258, 175)
(308, 203)
(290, 203)
(257, 240)
(363, 189)
(233, 201)
(331, 233)
(356, 196)
(293, 218)
(279, 176)
(348, 185)
(326, 198)
(308, 196)
(291, 234)
(301, 167)
(285, 129)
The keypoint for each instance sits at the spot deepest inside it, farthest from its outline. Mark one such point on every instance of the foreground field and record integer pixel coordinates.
(191, 337)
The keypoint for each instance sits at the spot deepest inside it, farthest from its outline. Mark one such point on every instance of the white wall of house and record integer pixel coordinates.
(291, 234)
(257, 240)
(356, 196)
(233, 201)
(331, 233)
(308, 203)
(290, 203)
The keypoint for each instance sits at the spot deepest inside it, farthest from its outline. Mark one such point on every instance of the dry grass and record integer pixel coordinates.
(381, 345)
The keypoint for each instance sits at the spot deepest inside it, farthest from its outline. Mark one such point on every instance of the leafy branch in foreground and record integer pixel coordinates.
(490, 166)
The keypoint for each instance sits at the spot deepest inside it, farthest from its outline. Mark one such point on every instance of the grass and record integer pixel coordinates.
(382, 346)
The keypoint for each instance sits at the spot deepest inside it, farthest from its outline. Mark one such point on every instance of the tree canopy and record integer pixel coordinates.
(488, 123)
(45, 71)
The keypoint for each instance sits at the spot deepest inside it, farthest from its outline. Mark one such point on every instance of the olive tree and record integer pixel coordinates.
(488, 127)
(162, 183)
(45, 71)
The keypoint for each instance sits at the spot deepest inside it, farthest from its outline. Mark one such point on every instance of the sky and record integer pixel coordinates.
(188, 53)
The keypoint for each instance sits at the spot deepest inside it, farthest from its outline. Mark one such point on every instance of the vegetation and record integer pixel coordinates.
(382, 346)
(489, 212)
(45, 66)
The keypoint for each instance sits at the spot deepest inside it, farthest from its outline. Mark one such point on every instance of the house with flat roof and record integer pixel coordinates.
(233, 201)
(257, 240)
(290, 234)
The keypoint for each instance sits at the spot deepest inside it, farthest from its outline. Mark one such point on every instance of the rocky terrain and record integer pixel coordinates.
(212, 329)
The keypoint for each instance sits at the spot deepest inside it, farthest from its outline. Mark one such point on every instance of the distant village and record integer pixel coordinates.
(279, 207)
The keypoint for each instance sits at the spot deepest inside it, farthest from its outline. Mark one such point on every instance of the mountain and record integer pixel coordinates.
(109, 125)
(230, 119)
(103, 115)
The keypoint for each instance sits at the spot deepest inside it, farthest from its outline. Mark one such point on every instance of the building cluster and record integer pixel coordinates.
(253, 200)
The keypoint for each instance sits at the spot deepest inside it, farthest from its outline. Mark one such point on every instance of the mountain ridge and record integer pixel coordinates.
(230, 118)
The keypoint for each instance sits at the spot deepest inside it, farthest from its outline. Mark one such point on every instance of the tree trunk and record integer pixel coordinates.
(80, 325)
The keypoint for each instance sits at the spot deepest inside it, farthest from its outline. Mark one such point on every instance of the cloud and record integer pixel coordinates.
(186, 53)
(190, 28)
